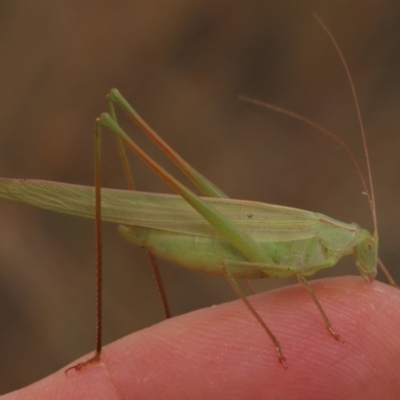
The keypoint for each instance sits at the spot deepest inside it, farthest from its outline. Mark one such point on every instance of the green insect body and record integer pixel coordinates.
(304, 245)
(296, 241)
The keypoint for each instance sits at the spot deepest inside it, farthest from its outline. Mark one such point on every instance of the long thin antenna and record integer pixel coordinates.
(371, 195)
(313, 124)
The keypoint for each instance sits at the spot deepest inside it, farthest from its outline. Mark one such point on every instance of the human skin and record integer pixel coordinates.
(223, 353)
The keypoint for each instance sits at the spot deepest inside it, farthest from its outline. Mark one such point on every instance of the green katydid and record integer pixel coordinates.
(234, 238)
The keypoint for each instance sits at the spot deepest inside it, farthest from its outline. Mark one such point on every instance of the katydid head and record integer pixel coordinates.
(366, 253)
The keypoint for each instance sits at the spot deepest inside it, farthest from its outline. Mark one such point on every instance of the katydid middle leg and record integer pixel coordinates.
(250, 307)
(328, 324)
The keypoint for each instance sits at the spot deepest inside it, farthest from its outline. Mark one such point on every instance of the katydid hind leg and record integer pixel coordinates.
(236, 236)
(207, 187)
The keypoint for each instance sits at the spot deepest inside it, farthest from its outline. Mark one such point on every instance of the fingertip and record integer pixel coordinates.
(222, 352)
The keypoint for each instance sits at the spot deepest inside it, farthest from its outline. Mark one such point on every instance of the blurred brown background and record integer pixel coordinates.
(181, 64)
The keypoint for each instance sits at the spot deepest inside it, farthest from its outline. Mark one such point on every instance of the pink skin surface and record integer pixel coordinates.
(222, 353)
